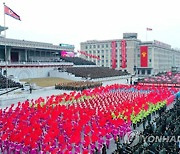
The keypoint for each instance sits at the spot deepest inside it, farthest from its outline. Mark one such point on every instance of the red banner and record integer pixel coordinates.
(123, 54)
(67, 54)
(89, 55)
(113, 54)
(144, 56)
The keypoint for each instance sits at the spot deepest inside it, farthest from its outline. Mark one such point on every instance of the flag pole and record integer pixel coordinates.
(5, 50)
(146, 34)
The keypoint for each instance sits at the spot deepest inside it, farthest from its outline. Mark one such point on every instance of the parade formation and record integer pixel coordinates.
(78, 85)
(79, 121)
(133, 108)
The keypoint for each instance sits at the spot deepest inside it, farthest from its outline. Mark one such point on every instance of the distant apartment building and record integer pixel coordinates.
(132, 54)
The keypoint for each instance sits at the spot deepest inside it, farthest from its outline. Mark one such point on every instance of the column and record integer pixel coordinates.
(8, 52)
(26, 55)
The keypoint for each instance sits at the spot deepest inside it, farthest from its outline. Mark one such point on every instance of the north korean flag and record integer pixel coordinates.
(11, 13)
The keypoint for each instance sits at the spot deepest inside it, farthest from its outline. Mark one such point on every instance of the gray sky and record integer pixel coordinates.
(75, 21)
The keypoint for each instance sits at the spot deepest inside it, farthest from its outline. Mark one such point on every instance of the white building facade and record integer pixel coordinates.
(131, 54)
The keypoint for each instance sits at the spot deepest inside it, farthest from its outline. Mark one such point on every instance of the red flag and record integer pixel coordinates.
(113, 54)
(123, 53)
(149, 29)
(11, 13)
(86, 140)
(144, 56)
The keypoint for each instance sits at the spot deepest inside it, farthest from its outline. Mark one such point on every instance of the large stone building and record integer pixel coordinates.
(29, 51)
(132, 54)
(14, 50)
(28, 59)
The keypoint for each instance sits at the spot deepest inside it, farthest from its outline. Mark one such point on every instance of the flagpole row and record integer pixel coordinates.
(5, 50)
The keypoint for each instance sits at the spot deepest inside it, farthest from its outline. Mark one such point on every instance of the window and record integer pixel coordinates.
(94, 46)
(37, 53)
(4, 72)
(48, 54)
(107, 46)
(102, 45)
(149, 72)
(102, 51)
(31, 53)
(89, 46)
(42, 54)
(149, 60)
(143, 71)
(86, 47)
(98, 46)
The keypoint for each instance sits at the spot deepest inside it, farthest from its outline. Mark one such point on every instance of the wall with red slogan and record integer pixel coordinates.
(144, 56)
(113, 54)
(123, 54)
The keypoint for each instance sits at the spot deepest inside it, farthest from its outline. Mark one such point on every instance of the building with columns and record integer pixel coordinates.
(131, 54)
(28, 59)
(14, 50)
(26, 51)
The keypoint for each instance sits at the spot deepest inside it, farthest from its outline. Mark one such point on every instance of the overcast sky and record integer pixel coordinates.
(75, 21)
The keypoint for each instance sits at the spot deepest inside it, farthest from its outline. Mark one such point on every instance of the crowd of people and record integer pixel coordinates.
(79, 122)
(77, 61)
(95, 72)
(8, 83)
(160, 135)
(78, 85)
(163, 78)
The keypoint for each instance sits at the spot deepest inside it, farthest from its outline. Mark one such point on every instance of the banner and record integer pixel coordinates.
(144, 56)
(88, 55)
(113, 54)
(123, 54)
(67, 54)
